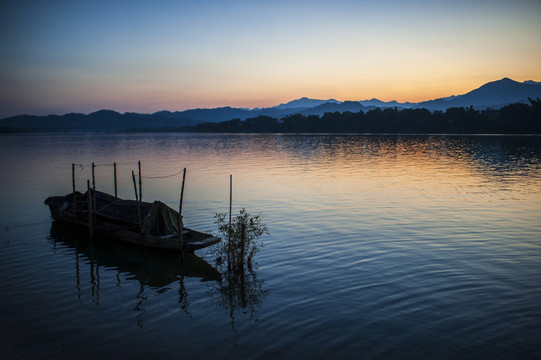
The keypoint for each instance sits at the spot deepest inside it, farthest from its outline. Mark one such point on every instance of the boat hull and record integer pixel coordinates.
(62, 210)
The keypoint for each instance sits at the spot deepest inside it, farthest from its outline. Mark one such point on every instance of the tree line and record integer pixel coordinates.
(515, 118)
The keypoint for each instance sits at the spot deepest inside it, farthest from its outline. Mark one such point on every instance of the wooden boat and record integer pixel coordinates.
(153, 225)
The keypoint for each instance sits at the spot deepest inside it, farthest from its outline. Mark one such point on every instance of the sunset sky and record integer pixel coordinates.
(144, 56)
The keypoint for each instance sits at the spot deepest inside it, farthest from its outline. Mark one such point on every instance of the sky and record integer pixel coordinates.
(58, 57)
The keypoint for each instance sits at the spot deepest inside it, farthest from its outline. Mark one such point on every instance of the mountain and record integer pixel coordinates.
(386, 104)
(102, 120)
(493, 95)
(352, 106)
(203, 115)
(305, 103)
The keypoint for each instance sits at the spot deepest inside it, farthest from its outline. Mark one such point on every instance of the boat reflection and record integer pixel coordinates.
(153, 269)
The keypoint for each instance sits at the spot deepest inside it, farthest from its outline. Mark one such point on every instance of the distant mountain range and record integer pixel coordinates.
(493, 95)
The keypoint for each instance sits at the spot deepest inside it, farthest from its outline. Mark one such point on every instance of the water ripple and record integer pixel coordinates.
(380, 247)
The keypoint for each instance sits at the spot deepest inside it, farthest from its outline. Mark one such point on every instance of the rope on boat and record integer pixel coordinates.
(105, 164)
(162, 177)
(82, 166)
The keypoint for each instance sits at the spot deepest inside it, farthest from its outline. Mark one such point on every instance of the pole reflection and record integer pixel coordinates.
(155, 271)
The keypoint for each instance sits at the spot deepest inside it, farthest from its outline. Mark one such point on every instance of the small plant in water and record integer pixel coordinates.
(240, 289)
(240, 242)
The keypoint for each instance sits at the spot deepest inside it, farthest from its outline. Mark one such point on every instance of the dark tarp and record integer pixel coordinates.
(157, 219)
(161, 220)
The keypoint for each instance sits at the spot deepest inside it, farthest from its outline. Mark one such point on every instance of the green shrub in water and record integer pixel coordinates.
(235, 254)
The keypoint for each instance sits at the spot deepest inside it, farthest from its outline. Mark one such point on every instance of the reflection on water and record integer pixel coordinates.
(241, 296)
(241, 292)
(155, 271)
(381, 247)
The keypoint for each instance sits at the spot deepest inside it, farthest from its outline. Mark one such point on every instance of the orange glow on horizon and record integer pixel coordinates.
(230, 54)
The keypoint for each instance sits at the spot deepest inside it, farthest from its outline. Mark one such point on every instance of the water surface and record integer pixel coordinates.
(380, 246)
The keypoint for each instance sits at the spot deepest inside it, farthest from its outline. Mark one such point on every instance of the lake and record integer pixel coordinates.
(380, 247)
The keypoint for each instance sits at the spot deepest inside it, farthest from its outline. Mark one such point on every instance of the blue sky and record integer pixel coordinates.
(144, 56)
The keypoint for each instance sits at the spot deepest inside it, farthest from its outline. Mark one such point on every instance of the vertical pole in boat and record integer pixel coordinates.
(74, 196)
(137, 201)
(230, 248)
(93, 187)
(93, 178)
(90, 220)
(114, 167)
(180, 222)
(140, 183)
(182, 191)
(134, 186)
(230, 198)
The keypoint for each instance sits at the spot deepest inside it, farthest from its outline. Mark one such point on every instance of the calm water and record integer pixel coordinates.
(380, 247)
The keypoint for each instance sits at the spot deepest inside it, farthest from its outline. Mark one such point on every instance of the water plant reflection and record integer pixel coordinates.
(240, 291)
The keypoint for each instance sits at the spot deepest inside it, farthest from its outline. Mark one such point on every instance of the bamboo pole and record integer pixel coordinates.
(140, 183)
(90, 220)
(114, 169)
(180, 222)
(229, 247)
(93, 187)
(93, 178)
(134, 186)
(230, 198)
(74, 195)
(182, 191)
(181, 236)
(137, 201)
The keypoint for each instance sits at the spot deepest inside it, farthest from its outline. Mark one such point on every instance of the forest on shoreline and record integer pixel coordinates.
(517, 118)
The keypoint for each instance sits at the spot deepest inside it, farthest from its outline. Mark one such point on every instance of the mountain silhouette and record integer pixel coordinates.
(493, 95)
(352, 106)
(386, 104)
(305, 103)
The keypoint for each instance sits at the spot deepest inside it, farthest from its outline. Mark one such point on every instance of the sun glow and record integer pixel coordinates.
(180, 55)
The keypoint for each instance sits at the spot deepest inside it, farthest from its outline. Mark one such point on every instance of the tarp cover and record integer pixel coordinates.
(161, 220)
